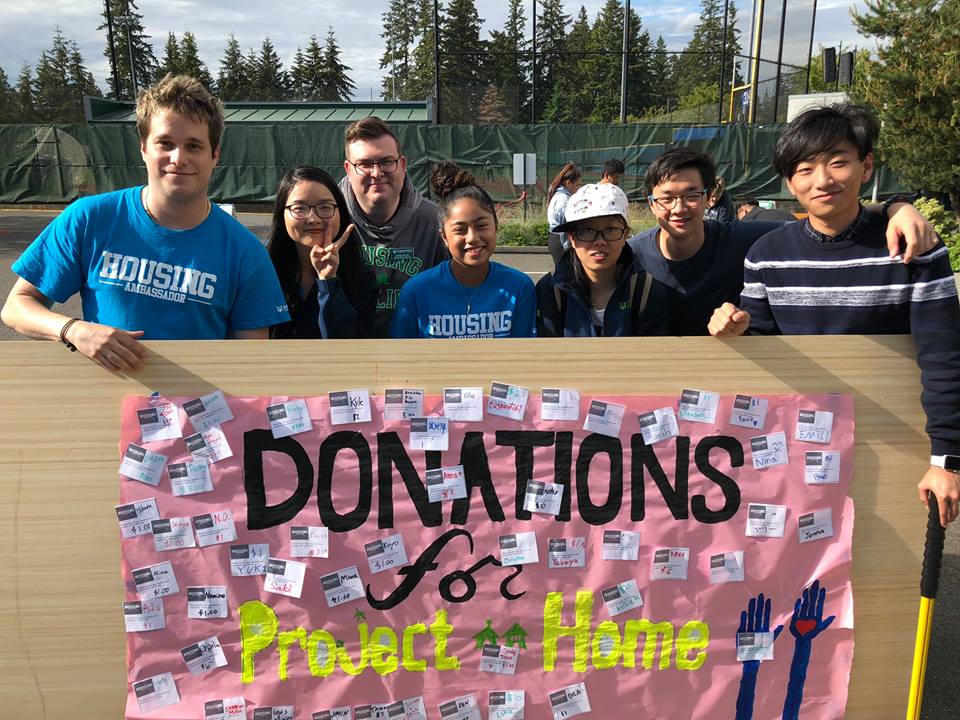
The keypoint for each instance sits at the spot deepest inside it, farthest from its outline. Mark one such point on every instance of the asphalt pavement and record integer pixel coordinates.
(19, 227)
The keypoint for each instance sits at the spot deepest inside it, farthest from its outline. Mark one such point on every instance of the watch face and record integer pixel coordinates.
(951, 462)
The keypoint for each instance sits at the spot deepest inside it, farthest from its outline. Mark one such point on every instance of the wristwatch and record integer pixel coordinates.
(947, 462)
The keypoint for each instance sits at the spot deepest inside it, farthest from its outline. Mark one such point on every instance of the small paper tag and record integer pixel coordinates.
(215, 528)
(284, 577)
(620, 545)
(447, 483)
(342, 586)
(160, 422)
(209, 411)
(386, 553)
(821, 468)
(350, 406)
(190, 478)
(155, 581)
(340, 713)
(289, 418)
(135, 518)
(571, 700)
(566, 552)
(144, 615)
(604, 418)
(754, 646)
(543, 497)
(559, 404)
(234, 708)
(402, 404)
(814, 426)
(765, 520)
(210, 445)
(249, 560)
(461, 708)
(463, 404)
(429, 433)
(817, 525)
(505, 704)
(274, 712)
(698, 406)
(507, 401)
(172, 534)
(203, 656)
(670, 564)
(749, 412)
(499, 659)
(769, 450)
(519, 549)
(658, 425)
(726, 567)
(621, 598)
(309, 541)
(207, 602)
(156, 692)
(143, 465)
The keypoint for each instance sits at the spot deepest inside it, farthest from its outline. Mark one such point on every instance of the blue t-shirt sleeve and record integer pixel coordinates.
(404, 323)
(53, 263)
(258, 302)
(525, 311)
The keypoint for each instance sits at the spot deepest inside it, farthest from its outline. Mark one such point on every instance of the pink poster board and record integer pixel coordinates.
(415, 629)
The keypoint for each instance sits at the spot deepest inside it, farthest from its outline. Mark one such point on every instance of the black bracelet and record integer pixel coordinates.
(891, 200)
(63, 334)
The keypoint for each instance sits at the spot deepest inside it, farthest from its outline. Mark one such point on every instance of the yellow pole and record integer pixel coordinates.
(920, 653)
(755, 70)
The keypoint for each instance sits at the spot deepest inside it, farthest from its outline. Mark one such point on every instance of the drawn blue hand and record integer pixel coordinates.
(756, 618)
(806, 623)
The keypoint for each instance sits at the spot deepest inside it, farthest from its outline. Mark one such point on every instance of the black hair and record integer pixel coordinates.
(817, 130)
(677, 159)
(749, 200)
(451, 183)
(568, 173)
(613, 166)
(283, 250)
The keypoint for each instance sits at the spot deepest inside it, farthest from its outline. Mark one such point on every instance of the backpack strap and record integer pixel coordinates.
(640, 303)
(561, 303)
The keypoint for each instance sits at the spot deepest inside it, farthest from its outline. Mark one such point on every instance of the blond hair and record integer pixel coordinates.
(185, 96)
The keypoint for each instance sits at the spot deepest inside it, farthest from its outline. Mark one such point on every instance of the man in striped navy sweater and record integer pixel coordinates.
(832, 274)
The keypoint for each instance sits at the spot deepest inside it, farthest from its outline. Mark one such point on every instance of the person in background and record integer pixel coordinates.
(395, 224)
(748, 208)
(329, 290)
(468, 296)
(612, 171)
(154, 262)
(599, 288)
(565, 184)
(832, 274)
(719, 204)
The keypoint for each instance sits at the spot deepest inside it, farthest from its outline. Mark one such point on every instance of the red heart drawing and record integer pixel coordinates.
(805, 626)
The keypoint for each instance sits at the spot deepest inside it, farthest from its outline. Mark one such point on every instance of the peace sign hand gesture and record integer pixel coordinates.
(325, 257)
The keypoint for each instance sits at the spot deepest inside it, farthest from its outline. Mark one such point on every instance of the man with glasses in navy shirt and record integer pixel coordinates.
(701, 261)
(397, 226)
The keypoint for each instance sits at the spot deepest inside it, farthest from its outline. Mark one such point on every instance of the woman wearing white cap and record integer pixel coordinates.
(598, 288)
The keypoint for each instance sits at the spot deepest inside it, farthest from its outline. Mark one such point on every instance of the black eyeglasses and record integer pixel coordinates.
(668, 202)
(301, 211)
(386, 165)
(588, 235)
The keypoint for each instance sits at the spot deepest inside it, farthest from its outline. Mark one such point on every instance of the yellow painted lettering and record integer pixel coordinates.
(553, 630)
(284, 641)
(346, 662)
(410, 662)
(695, 635)
(383, 655)
(606, 629)
(313, 652)
(441, 629)
(258, 628)
(653, 632)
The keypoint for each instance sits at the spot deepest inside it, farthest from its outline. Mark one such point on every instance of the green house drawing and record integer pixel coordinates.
(516, 636)
(487, 636)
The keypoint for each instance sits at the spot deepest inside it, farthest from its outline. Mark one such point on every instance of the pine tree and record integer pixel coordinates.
(62, 81)
(270, 81)
(462, 62)
(606, 38)
(493, 109)
(298, 76)
(8, 100)
(80, 78)
(25, 92)
(571, 99)
(661, 71)
(551, 42)
(422, 78)
(313, 71)
(400, 33)
(128, 22)
(233, 80)
(699, 65)
(171, 58)
(190, 62)
(335, 83)
(510, 66)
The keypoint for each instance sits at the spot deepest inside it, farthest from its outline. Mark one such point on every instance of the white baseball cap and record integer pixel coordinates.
(594, 200)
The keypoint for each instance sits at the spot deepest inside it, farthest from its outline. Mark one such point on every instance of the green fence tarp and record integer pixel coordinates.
(59, 163)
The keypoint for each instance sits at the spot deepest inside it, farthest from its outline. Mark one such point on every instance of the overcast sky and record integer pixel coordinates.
(28, 26)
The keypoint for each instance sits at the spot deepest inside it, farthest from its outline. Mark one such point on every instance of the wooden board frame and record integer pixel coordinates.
(63, 651)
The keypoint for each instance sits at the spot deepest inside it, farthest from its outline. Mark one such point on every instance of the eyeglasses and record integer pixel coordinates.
(668, 202)
(301, 211)
(588, 236)
(386, 165)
